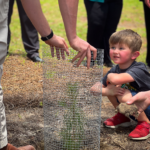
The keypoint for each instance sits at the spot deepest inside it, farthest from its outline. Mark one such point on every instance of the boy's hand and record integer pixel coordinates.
(113, 90)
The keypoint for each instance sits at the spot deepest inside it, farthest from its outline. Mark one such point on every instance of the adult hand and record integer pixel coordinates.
(69, 9)
(58, 43)
(33, 9)
(141, 100)
(113, 90)
(147, 2)
(84, 50)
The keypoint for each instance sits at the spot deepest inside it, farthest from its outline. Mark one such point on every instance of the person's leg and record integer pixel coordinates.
(147, 112)
(3, 130)
(141, 131)
(147, 23)
(4, 4)
(96, 17)
(119, 120)
(11, 3)
(29, 34)
(113, 100)
(113, 17)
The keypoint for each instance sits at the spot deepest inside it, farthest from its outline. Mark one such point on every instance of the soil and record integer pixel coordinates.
(128, 110)
(22, 84)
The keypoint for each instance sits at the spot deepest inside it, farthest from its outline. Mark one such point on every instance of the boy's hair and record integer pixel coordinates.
(127, 37)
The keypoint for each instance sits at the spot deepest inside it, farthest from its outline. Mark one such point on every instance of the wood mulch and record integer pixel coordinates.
(22, 84)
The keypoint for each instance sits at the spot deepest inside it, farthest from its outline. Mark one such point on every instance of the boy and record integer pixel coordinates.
(124, 80)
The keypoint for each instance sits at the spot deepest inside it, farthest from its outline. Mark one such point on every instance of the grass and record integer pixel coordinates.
(132, 17)
(72, 132)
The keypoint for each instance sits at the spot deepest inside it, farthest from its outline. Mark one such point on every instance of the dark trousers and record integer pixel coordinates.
(103, 19)
(147, 24)
(29, 33)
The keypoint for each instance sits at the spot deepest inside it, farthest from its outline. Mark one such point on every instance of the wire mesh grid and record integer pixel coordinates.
(71, 114)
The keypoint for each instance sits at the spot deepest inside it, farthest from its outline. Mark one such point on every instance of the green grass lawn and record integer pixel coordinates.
(132, 18)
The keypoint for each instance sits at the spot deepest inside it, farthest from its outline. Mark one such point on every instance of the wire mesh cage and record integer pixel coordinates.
(71, 113)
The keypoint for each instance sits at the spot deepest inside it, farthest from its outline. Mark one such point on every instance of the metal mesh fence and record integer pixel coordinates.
(71, 114)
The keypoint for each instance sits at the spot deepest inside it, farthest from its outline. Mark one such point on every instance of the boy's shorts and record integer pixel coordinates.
(147, 111)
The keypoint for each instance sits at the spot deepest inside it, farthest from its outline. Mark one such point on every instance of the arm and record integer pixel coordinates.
(119, 79)
(147, 2)
(34, 12)
(98, 89)
(69, 10)
(141, 100)
(110, 90)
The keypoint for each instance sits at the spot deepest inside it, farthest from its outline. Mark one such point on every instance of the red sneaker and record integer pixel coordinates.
(141, 131)
(119, 120)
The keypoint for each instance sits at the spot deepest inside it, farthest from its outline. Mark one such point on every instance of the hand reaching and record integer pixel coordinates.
(58, 43)
(84, 50)
(141, 100)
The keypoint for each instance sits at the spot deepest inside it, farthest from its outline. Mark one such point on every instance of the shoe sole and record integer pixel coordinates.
(126, 124)
(37, 60)
(141, 138)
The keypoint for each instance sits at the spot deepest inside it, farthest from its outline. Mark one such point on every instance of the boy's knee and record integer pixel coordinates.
(125, 97)
(121, 99)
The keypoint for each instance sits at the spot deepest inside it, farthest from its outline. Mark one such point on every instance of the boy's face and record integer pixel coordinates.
(121, 54)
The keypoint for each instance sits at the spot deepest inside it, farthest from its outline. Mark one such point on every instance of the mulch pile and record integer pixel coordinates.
(21, 82)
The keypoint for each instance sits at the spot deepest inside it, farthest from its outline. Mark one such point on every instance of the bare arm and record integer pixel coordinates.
(119, 79)
(69, 9)
(141, 100)
(147, 2)
(110, 90)
(98, 89)
(34, 12)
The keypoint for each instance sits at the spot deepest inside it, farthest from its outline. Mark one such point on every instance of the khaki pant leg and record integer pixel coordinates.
(3, 130)
(3, 50)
